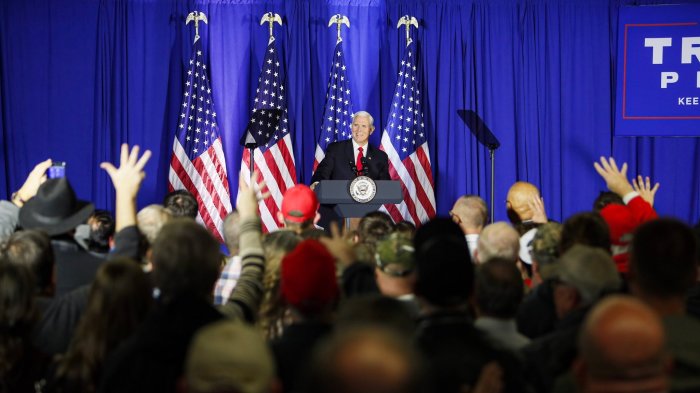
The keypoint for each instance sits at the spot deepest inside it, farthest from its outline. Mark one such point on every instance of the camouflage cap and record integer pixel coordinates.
(394, 255)
(545, 246)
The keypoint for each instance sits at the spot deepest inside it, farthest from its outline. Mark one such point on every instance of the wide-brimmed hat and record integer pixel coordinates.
(54, 209)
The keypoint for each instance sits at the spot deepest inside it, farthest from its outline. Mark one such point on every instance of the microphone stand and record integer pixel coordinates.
(485, 137)
(492, 156)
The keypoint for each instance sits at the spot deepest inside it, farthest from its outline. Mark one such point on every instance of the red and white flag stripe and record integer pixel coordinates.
(206, 179)
(277, 169)
(416, 178)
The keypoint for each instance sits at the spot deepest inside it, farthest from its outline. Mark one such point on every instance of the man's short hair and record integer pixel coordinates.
(342, 363)
(374, 226)
(186, 260)
(589, 229)
(406, 228)
(229, 356)
(614, 326)
(31, 248)
(232, 231)
(365, 114)
(590, 270)
(181, 203)
(606, 198)
(498, 240)
(376, 310)
(663, 259)
(499, 288)
(472, 211)
(151, 219)
(102, 227)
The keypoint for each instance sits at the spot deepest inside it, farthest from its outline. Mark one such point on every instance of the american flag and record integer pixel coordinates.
(269, 127)
(404, 141)
(337, 114)
(198, 164)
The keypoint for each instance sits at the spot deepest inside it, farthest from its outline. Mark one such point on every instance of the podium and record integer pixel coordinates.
(337, 193)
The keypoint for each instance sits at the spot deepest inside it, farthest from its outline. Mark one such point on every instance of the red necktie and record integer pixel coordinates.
(358, 164)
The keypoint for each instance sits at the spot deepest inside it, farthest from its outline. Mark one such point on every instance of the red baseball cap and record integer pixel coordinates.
(299, 204)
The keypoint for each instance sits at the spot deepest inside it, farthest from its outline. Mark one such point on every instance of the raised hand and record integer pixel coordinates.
(643, 187)
(339, 245)
(128, 177)
(616, 179)
(32, 183)
(539, 215)
(127, 181)
(250, 195)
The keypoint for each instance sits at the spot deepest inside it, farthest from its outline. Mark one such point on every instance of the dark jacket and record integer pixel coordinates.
(153, 359)
(75, 266)
(550, 356)
(456, 351)
(58, 321)
(536, 314)
(293, 351)
(340, 158)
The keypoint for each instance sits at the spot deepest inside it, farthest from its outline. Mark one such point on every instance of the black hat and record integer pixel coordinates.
(54, 209)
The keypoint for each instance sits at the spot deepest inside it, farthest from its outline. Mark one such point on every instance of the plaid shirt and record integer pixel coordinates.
(227, 280)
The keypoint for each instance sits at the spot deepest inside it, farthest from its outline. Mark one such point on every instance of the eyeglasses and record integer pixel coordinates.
(457, 219)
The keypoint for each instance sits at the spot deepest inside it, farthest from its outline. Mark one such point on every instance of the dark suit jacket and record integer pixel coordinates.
(152, 360)
(336, 165)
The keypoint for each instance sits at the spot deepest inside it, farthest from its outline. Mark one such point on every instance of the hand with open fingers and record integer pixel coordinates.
(616, 179)
(339, 245)
(250, 195)
(643, 187)
(128, 177)
(34, 180)
(539, 215)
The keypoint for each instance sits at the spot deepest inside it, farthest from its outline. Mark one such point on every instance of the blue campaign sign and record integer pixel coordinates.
(658, 71)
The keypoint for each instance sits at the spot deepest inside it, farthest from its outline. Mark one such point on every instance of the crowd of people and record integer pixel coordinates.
(145, 301)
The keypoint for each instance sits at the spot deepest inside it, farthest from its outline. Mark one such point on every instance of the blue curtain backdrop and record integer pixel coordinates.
(79, 77)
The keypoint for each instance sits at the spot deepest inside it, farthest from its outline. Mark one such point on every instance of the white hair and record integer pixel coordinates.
(151, 219)
(366, 114)
(498, 240)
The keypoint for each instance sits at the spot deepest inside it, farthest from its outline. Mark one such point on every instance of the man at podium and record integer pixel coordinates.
(344, 160)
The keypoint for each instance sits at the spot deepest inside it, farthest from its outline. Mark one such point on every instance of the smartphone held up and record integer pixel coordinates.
(57, 170)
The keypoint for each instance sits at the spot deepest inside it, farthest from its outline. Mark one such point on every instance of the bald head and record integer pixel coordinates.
(498, 240)
(365, 359)
(470, 213)
(518, 200)
(622, 345)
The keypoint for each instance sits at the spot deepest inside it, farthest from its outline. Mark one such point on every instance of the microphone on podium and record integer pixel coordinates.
(353, 168)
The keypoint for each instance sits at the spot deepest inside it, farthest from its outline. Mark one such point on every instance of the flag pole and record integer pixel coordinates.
(408, 21)
(271, 18)
(196, 17)
(339, 20)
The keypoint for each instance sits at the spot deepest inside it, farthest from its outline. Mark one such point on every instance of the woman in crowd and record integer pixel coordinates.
(20, 364)
(276, 245)
(120, 298)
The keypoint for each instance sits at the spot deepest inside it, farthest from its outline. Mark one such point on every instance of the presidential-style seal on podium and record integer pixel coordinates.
(363, 189)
